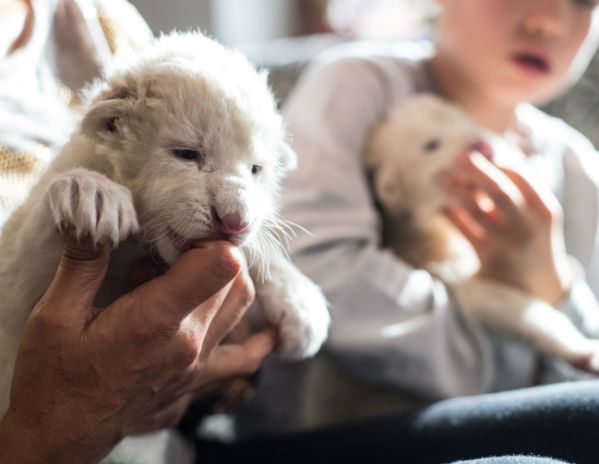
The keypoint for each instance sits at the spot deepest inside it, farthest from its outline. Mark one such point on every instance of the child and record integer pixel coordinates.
(395, 326)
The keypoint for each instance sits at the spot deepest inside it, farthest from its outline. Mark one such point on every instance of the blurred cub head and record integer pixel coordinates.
(413, 144)
(192, 130)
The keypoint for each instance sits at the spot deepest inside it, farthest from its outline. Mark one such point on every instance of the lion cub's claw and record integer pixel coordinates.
(93, 204)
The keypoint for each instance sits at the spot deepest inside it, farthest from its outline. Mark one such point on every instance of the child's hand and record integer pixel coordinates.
(513, 223)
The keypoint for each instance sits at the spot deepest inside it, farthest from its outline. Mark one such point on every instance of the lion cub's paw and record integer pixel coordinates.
(304, 321)
(93, 204)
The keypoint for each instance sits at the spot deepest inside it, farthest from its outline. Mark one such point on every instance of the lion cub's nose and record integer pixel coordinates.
(231, 223)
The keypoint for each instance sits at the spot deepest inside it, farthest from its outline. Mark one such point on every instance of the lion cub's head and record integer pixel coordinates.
(192, 130)
(411, 146)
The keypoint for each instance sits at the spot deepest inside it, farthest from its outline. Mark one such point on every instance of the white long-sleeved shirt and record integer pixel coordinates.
(393, 325)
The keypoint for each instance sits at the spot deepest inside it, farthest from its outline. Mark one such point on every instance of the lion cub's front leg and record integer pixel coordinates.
(93, 204)
(296, 305)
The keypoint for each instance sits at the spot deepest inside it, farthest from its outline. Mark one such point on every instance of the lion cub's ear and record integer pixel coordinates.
(108, 114)
(379, 142)
(379, 160)
(287, 158)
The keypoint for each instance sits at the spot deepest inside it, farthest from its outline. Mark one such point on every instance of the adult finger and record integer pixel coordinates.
(238, 300)
(228, 361)
(240, 332)
(166, 417)
(80, 272)
(196, 277)
(143, 271)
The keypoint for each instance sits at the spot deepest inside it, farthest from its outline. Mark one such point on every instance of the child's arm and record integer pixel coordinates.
(530, 239)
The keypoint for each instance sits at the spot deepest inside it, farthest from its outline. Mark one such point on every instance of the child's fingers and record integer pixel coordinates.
(469, 228)
(539, 198)
(478, 204)
(484, 148)
(504, 193)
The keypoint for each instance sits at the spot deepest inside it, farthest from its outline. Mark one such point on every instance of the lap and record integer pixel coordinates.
(558, 421)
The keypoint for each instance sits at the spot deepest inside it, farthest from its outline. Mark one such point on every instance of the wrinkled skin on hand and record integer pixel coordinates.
(98, 375)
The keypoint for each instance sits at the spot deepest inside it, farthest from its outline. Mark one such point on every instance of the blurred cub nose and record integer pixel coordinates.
(230, 223)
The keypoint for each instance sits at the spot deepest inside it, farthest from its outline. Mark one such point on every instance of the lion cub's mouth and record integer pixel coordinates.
(183, 244)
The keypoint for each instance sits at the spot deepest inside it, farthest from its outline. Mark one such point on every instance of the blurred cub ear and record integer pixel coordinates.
(376, 147)
(108, 114)
(287, 158)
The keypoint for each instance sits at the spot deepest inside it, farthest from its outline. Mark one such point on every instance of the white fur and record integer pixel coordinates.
(406, 153)
(118, 179)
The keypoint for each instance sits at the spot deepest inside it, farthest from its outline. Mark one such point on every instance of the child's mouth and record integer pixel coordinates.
(532, 63)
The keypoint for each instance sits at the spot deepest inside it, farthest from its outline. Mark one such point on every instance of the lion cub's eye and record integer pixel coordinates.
(432, 145)
(256, 169)
(186, 154)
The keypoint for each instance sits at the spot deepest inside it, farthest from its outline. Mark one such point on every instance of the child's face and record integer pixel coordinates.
(519, 50)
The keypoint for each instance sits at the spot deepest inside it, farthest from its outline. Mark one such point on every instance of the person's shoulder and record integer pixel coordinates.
(553, 133)
(553, 129)
(367, 67)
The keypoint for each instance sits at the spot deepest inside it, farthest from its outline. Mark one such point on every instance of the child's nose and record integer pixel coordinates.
(547, 18)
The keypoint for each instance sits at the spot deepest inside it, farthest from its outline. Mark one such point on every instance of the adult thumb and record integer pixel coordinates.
(81, 269)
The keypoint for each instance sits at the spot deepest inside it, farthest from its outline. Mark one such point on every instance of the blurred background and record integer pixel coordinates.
(238, 22)
(283, 35)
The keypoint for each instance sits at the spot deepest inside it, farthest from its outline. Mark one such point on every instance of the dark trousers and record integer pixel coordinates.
(559, 421)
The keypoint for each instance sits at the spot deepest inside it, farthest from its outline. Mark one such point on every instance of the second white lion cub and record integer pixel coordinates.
(182, 142)
(406, 153)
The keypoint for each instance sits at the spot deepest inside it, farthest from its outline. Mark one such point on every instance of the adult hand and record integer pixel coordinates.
(86, 377)
(514, 223)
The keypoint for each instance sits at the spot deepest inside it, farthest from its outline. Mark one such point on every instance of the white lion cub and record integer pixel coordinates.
(182, 142)
(405, 154)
